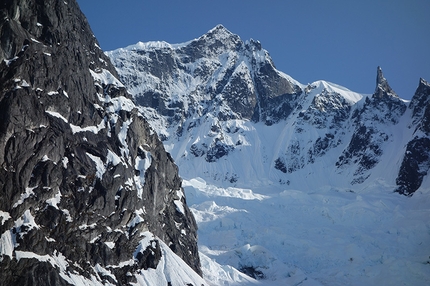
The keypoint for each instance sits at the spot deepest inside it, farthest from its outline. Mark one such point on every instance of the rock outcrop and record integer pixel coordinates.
(416, 161)
(87, 190)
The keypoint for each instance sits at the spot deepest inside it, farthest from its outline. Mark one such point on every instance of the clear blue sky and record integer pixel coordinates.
(341, 41)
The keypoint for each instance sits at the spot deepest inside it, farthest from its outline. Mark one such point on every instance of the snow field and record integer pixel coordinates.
(329, 236)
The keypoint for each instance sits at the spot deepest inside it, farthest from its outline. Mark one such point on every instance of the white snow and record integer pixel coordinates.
(93, 129)
(65, 161)
(170, 268)
(55, 200)
(178, 202)
(213, 191)
(28, 192)
(98, 268)
(26, 220)
(120, 103)
(56, 114)
(141, 165)
(328, 236)
(105, 77)
(110, 244)
(28, 255)
(4, 216)
(68, 216)
(24, 83)
(351, 96)
(137, 218)
(85, 226)
(112, 158)
(8, 62)
(7, 244)
(49, 239)
(100, 167)
(122, 136)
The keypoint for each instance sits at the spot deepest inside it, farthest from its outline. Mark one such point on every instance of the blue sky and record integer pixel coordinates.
(340, 41)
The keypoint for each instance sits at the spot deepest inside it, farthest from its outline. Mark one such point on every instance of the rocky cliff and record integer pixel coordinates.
(88, 194)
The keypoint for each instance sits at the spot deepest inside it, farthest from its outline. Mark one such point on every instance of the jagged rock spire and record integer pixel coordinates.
(420, 99)
(383, 89)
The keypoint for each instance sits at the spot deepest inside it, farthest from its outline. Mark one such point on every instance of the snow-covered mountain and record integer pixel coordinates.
(226, 114)
(290, 183)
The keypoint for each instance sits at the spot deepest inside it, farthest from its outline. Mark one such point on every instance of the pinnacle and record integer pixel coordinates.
(383, 89)
(424, 82)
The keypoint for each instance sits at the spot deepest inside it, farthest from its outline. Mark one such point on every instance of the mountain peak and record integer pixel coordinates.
(383, 89)
(420, 100)
(219, 29)
(220, 33)
(423, 88)
(423, 82)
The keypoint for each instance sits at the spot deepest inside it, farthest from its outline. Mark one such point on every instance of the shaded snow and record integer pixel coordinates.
(55, 200)
(141, 165)
(328, 236)
(170, 269)
(4, 216)
(7, 244)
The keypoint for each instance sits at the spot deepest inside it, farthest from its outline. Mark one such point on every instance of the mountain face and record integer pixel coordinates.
(416, 161)
(216, 99)
(88, 194)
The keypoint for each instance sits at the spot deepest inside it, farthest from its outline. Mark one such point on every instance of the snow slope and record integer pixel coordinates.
(326, 236)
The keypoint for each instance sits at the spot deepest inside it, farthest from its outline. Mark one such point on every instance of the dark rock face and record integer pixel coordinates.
(415, 166)
(83, 177)
(420, 107)
(416, 161)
